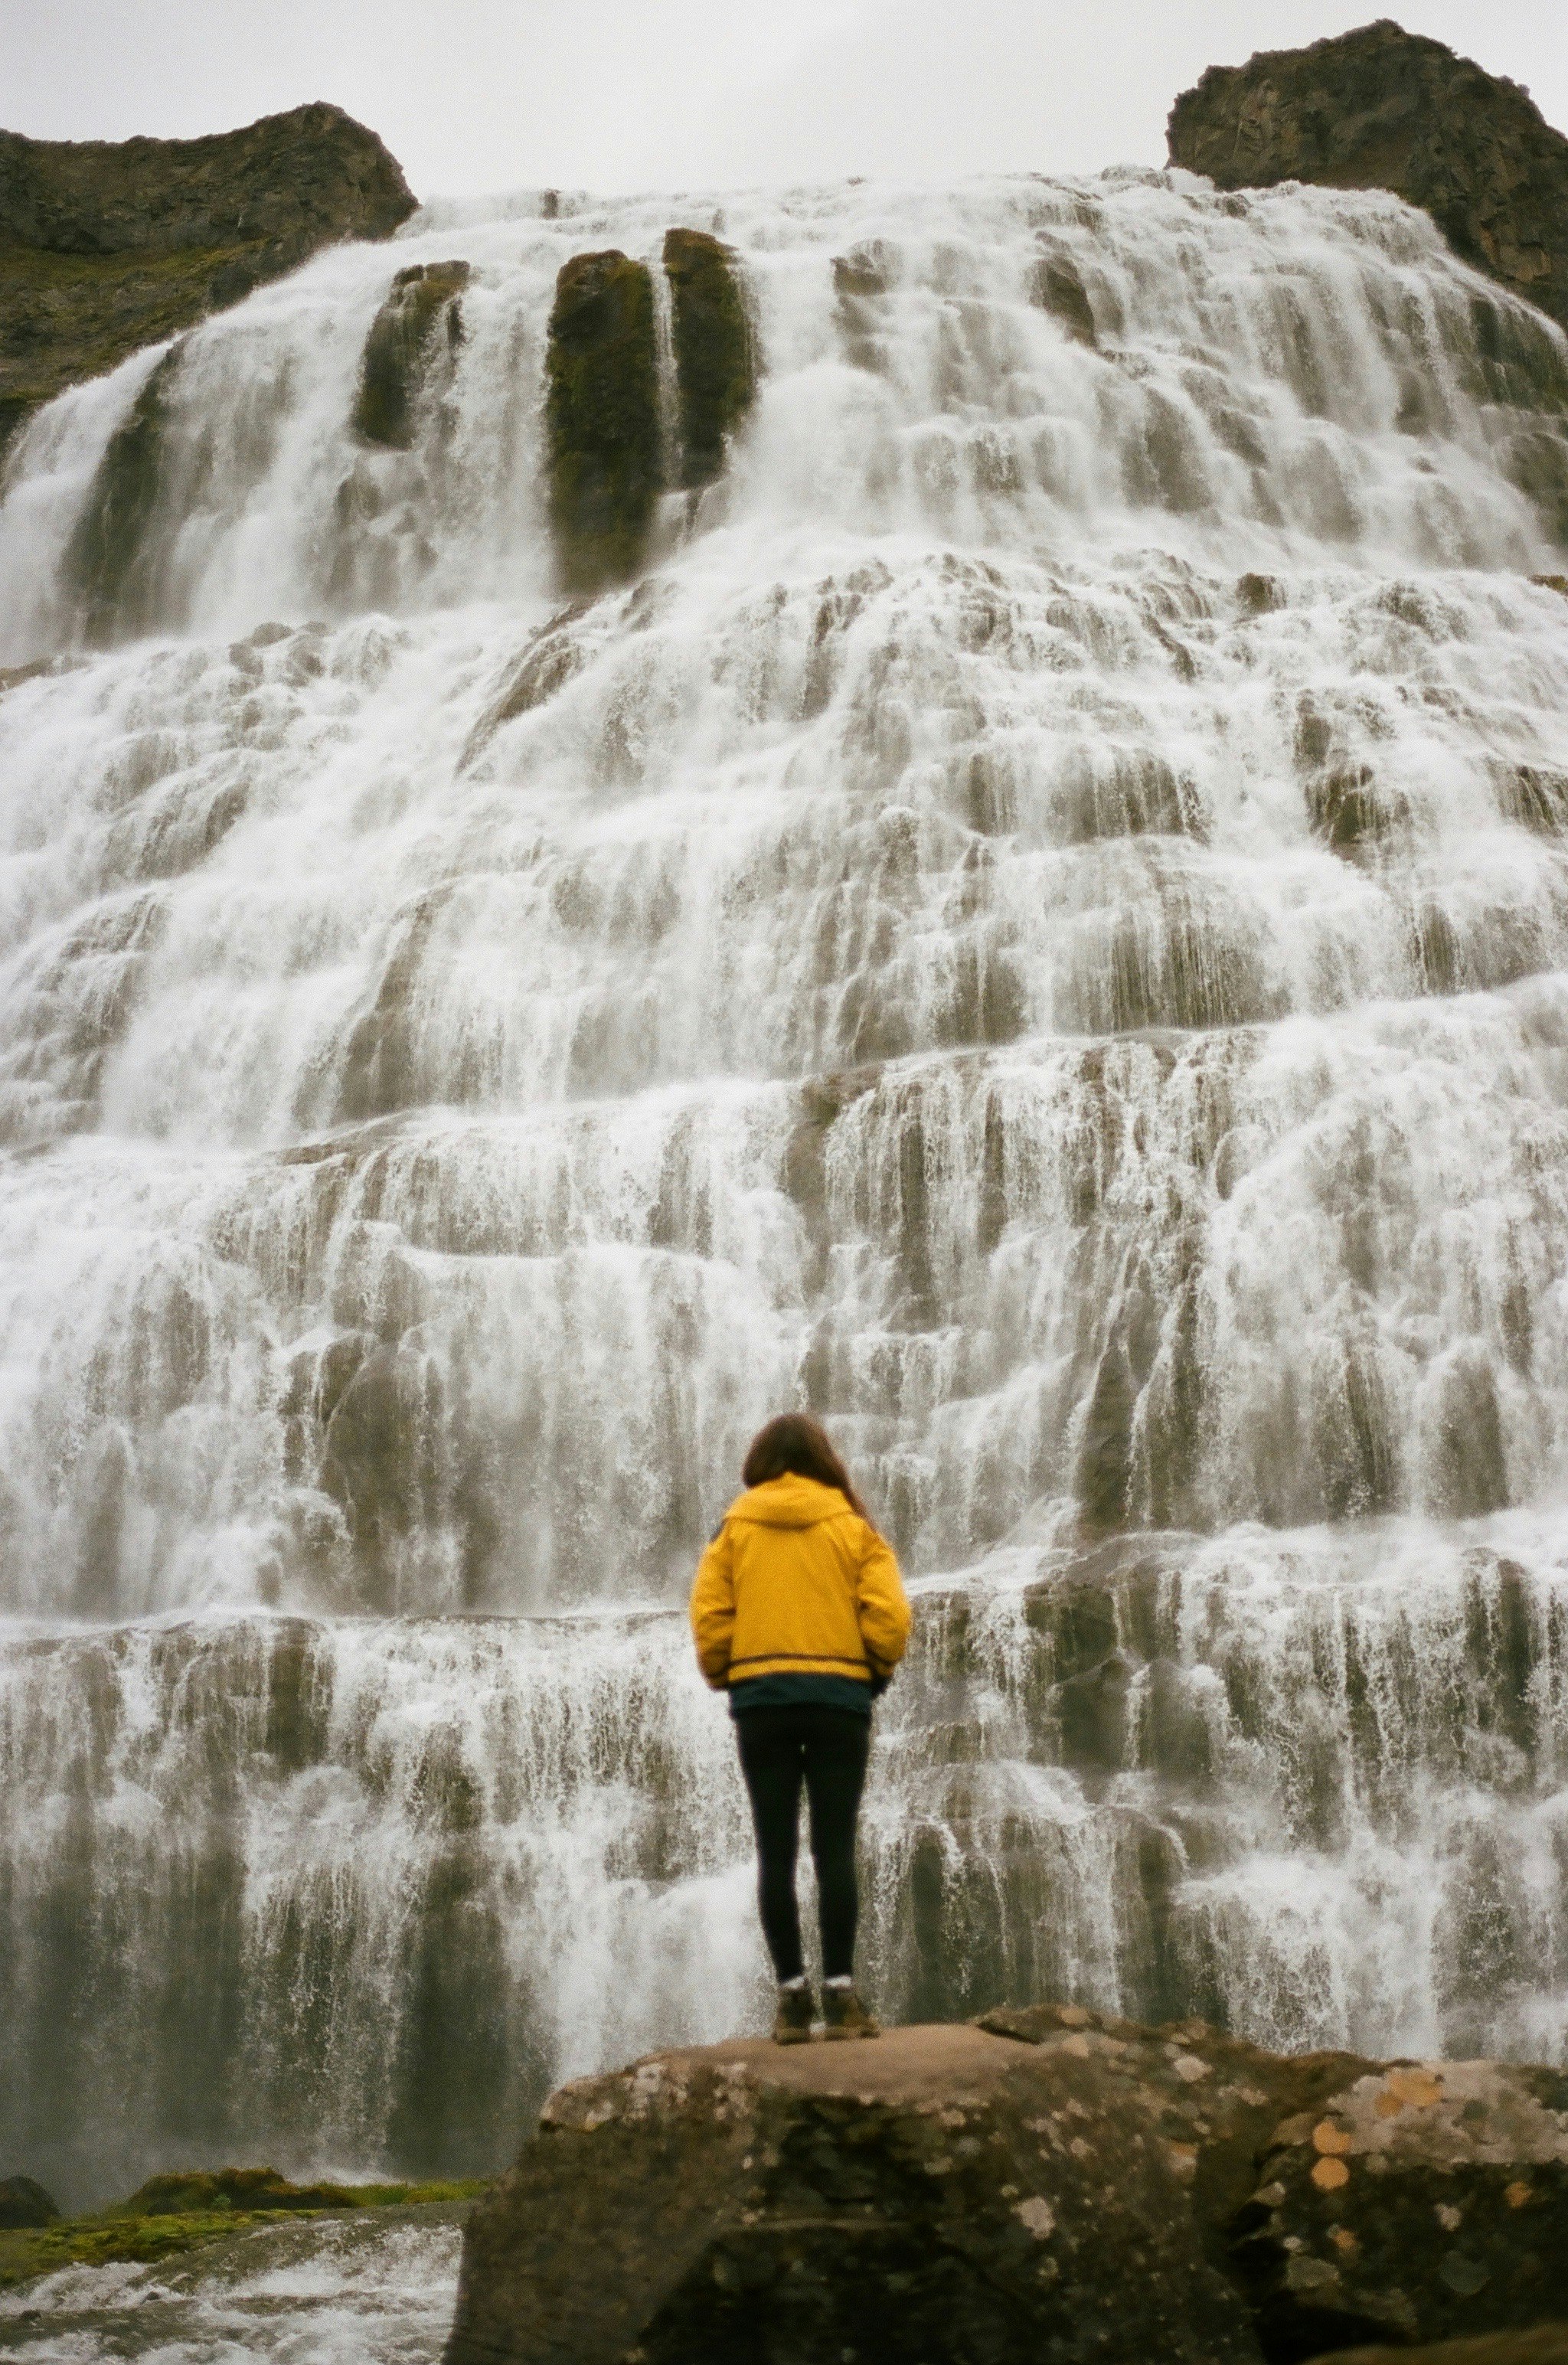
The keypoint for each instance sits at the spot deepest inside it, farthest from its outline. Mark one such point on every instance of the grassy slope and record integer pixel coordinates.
(99, 2241)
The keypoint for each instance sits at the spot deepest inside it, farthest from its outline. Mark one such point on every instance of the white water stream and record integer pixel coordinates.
(1040, 928)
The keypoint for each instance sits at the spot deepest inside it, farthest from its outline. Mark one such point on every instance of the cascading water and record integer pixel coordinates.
(1038, 927)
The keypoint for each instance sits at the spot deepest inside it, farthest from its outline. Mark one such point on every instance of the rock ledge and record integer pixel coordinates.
(1044, 2183)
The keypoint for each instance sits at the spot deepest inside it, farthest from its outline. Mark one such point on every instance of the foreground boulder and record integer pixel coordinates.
(1380, 108)
(106, 245)
(1044, 2185)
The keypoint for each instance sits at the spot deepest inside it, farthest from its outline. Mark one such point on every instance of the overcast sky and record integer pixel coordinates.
(474, 95)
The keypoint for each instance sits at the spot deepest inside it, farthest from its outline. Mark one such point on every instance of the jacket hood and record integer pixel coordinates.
(789, 1502)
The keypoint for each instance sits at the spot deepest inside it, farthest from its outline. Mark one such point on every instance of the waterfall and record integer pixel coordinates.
(1039, 927)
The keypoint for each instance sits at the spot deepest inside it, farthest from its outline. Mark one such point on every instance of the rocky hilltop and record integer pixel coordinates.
(1044, 2183)
(1380, 108)
(105, 245)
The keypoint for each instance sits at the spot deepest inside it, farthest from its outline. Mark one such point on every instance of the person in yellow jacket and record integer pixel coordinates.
(799, 1614)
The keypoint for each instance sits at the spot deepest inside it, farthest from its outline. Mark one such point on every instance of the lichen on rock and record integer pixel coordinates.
(423, 316)
(714, 360)
(1049, 2181)
(602, 415)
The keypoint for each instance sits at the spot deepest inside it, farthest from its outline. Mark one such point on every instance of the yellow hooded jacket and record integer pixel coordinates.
(795, 1583)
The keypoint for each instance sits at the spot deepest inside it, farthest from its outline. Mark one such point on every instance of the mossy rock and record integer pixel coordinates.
(107, 560)
(24, 2204)
(715, 367)
(422, 314)
(602, 413)
(200, 2193)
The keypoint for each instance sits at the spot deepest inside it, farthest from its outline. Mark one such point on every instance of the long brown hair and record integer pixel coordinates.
(795, 1441)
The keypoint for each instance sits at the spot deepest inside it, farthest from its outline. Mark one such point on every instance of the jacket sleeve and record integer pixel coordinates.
(714, 1609)
(880, 1605)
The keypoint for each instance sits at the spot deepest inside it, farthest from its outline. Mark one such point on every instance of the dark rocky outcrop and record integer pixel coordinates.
(602, 412)
(715, 370)
(105, 246)
(25, 2204)
(1380, 108)
(1043, 2183)
(422, 313)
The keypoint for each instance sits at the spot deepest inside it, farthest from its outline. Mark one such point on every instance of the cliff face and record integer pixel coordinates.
(1044, 2183)
(1380, 108)
(108, 245)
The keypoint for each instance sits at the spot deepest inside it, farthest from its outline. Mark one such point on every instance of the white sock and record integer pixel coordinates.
(793, 1986)
(845, 1980)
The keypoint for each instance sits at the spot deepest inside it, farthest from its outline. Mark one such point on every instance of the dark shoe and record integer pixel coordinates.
(846, 2016)
(792, 2021)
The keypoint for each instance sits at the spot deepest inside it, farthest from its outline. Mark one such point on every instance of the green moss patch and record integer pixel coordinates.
(602, 414)
(714, 361)
(150, 2227)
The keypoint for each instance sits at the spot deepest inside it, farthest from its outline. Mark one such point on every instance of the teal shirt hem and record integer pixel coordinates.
(800, 1691)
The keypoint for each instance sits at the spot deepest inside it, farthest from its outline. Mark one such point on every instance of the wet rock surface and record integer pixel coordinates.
(1380, 108)
(422, 315)
(107, 245)
(1044, 2182)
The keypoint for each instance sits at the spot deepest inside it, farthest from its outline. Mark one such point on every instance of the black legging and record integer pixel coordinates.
(826, 1748)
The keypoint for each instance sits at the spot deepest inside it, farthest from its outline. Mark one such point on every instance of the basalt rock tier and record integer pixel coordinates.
(1043, 2183)
(107, 245)
(1380, 108)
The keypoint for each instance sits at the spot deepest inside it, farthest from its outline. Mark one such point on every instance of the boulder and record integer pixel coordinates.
(24, 2204)
(1043, 2183)
(714, 366)
(602, 415)
(422, 315)
(107, 245)
(1380, 108)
